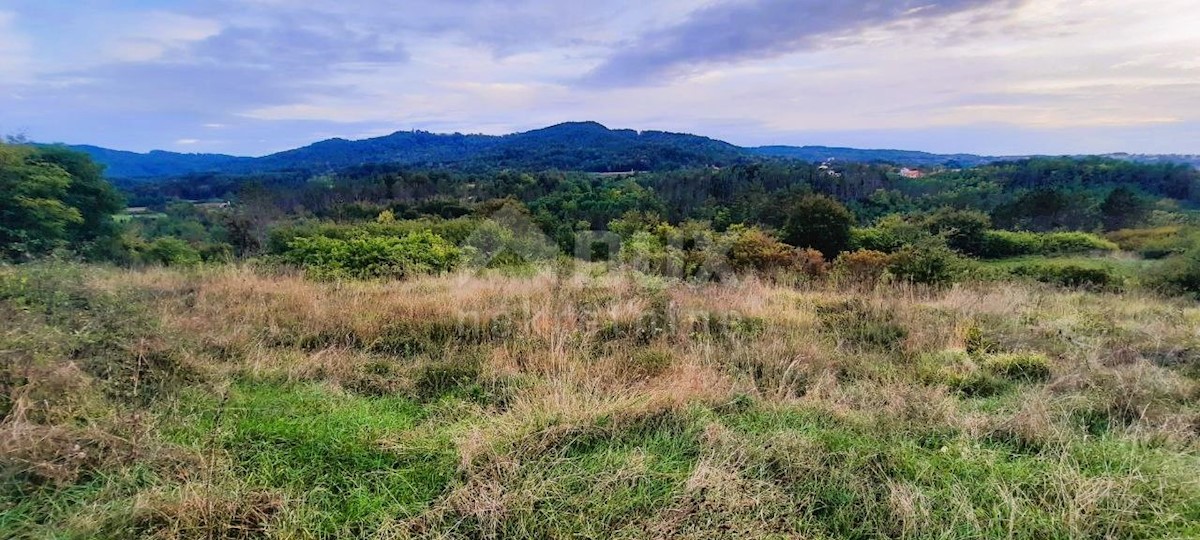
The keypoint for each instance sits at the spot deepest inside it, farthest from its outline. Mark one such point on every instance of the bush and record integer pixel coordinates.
(755, 249)
(455, 231)
(1005, 244)
(1063, 243)
(1156, 243)
(889, 235)
(1178, 274)
(1069, 275)
(170, 251)
(963, 230)
(1026, 367)
(930, 263)
(862, 267)
(820, 223)
(368, 257)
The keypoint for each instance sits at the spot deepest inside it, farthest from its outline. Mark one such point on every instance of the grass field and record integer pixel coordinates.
(230, 402)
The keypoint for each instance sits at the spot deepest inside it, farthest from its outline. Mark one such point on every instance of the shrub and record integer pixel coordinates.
(1026, 367)
(1004, 244)
(755, 249)
(646, 252)
(170, 251)
(820, 223)
(1178, 274)
(1156, 243)
(963, 230)
(862, 267)
(929, 263)
(889, 235)
(1061, 243)
(1069, 275)
(368, 257)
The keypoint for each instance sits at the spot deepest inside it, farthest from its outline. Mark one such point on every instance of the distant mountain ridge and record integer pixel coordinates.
(579, 146)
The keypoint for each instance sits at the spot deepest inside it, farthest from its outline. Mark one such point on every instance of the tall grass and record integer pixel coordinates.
(226, 402)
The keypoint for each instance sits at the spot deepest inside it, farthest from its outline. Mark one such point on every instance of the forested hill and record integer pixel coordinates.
(573, 146)
(859, 155)
(577, 146)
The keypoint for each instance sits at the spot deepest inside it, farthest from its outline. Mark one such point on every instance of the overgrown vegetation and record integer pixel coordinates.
(770, 349)
(228, 402)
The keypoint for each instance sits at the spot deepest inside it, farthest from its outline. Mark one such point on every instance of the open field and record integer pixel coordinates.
(229, 402)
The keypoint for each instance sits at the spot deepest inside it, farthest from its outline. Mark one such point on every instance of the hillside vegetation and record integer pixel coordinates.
(762, 350)
(229, 402)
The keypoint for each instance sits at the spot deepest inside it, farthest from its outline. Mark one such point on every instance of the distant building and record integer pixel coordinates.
(911, 173)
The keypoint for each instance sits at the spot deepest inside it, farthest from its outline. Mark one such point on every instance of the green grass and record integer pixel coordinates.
(324, 448)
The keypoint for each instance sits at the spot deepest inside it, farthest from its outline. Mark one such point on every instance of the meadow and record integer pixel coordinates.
(587, 401)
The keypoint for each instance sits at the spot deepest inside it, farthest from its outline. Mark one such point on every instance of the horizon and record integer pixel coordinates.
(254, 77)
(611, 128)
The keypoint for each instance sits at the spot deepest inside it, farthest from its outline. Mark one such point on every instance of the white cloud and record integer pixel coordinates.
(15, 48)
(149, 36)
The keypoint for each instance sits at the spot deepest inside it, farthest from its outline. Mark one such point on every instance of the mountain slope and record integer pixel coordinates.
(122, 164)
(576, 146)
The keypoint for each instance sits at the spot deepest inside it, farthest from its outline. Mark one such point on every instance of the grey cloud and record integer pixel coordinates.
(737, 30)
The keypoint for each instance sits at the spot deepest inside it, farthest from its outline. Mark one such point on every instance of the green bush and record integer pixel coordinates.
(455, 231)
(1062, 243)
(928, 262)
(963, 230)
(170, 251)
(1178, 274)
(1005, 244)
(1156, 243)
(367, 257)
(1027, 366)
(1069, 275)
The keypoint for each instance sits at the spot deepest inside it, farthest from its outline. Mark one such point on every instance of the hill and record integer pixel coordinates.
(858, 155)
(571, 146)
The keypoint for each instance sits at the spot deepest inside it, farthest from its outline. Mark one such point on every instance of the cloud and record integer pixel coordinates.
(14, 50)
(734, 31)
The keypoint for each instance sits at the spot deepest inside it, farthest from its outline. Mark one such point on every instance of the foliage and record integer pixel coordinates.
(928, 262)
(170, 251)
(1123, 209)
(863, 267)
(1158, 242)
(1179, 274)
(1005, 244)
(1069, 275)
(964, 230)
(818, 222)
(367, 257)
(48, 199)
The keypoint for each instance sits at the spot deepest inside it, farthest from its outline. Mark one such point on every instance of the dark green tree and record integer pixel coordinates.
(1123, 209)
(820, 223)
(963, 229)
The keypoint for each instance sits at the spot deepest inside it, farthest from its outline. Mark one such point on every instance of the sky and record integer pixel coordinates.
(251, 77)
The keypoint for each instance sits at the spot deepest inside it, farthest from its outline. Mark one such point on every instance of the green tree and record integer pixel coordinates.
(34, 217)
(820, 223)
(1123, 209)
(964, 230)
(52, 197)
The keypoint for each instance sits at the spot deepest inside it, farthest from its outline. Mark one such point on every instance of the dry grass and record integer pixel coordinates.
(613, 404)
